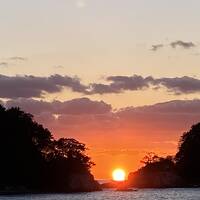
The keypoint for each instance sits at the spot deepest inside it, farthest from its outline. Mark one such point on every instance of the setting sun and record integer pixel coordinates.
(118, 175)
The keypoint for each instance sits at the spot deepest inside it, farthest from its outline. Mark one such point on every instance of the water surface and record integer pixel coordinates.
(142, 194)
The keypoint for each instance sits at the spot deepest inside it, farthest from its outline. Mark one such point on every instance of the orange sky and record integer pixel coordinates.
(123, 145)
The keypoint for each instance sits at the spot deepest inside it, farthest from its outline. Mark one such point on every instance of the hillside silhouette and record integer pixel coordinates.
(181, 170)
(33, 160)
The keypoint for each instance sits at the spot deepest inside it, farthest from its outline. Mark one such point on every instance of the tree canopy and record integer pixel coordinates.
(181, 170)
(153, 162)
(188, 155)
(31, 157)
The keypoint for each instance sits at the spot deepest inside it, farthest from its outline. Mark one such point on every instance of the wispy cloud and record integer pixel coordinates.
(17, 58)
(11, 61)
(58, 66)
(174, 44)
(4, 64)
(156, 47)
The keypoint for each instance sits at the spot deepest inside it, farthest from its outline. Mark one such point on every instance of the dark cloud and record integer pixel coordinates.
(178, 43)
(121, 83)
(73, 115)
(168, 116)
(31, 105)
(84, 116)
(33, 86)
(156, 47)
(98, 88)
(170, 107)
(185, 45)
(70, 82)
(81, 106)
(72, 107)
(179, 85)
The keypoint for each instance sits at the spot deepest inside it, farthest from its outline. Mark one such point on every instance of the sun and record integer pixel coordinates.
(118, 175)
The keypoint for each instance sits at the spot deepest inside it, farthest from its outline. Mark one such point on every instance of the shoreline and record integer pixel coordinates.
(13, 193)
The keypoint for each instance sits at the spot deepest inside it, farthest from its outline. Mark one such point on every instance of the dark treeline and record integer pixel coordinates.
(32, 159)
(181, 170)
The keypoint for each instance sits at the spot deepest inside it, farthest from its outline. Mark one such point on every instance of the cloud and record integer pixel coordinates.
(121, 83)
(33, 86)
(17, 58)
(180, 43)
(72, 107)
(118, 152)
(169, 107)
(4, 64)
(81, 106)
(58, 66)
(30, 105)
(156, 47)
(179, 85)
(174, 44)
(162, 119)
(83, 117)
(71, 116)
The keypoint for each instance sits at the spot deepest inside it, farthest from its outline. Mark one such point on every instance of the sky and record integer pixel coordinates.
(121, 76)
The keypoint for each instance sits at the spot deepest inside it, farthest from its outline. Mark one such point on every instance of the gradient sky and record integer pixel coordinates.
(90, 41)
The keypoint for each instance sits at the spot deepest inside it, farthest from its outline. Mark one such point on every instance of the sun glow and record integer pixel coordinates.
(118, 175)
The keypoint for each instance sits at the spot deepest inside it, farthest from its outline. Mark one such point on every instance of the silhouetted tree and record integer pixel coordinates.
(157, 173)
(188, 155)
(31, 157)
(155, 163)
(150, 157)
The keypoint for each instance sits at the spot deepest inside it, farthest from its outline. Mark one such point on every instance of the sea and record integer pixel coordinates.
(141, 194)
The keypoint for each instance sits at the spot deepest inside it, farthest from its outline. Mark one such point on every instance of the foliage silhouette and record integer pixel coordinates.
(188, 155)
(157, 172)
(155, 163)
(149, 158)
(182, 170)
(32, 158)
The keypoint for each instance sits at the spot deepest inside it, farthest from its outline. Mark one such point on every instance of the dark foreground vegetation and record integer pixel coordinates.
(182, 170)
(31, 160)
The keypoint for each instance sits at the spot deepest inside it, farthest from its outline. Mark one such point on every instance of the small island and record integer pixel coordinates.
(33, 161)
(181, 170)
